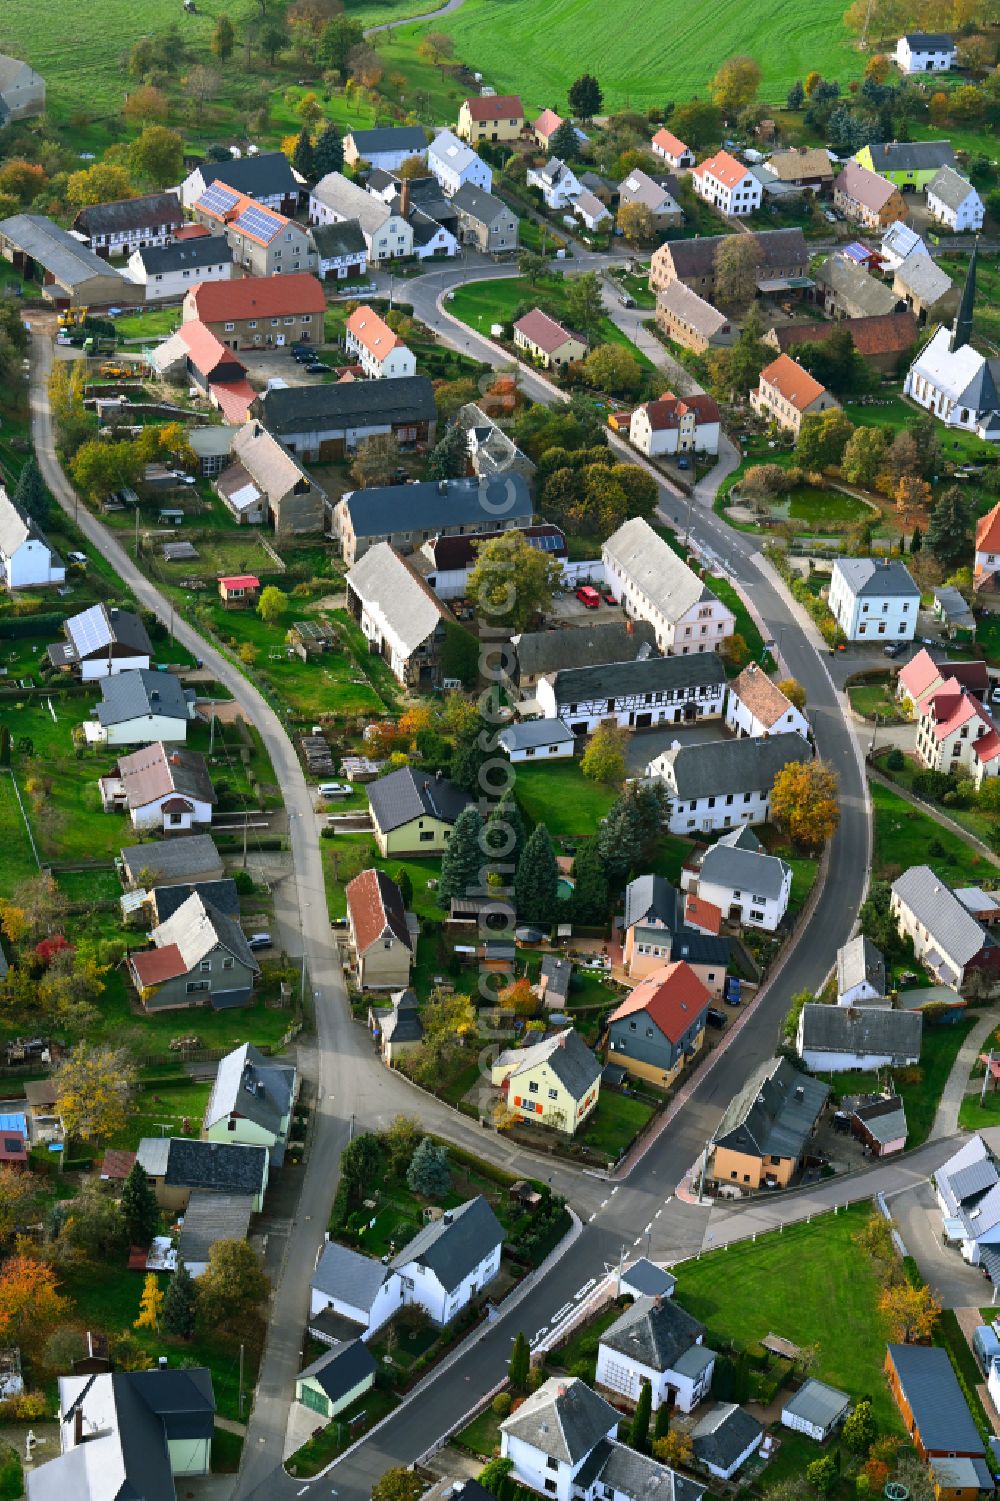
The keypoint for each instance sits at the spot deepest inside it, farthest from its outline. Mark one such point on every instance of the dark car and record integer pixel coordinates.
(259, 941)
(303, 356)
(894, 649)
(715, 1018)
(609, 598)
(317, 367)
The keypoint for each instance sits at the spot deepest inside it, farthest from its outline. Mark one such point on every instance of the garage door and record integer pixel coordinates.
(331, 449)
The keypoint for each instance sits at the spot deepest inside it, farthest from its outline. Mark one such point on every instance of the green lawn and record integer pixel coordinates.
(788, 1284)
(938, 1052)
(615, 1123)
(904, 833)
(345, 855)
(18, 862)
(974, 1116)
(821, 510)
(561, 797)
(672, 853)
(479, 304)
(177, 1105)
(153, 323)
(869, 699)
(482, 1435)
(324, 1446)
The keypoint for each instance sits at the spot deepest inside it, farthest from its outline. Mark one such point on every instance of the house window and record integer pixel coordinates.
(194, 986)
(532, 1087)
(205, 965)
(553, 1094)
(229, 964)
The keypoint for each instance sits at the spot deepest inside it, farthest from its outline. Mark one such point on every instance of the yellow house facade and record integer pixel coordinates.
(491, 117)
(414, 813)
(555, 1083)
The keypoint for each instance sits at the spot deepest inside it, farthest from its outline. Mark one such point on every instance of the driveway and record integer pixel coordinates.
(957, 1284)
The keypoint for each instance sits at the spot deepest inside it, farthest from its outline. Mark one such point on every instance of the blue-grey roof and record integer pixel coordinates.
(167, 858)
(937, 908)
(222, 895)
(635, 1475)
(348, 1276)
(403, 795)
(643, 675)
(649, 1280)
(724, 1434)
(858, 961)
(130, 695)
(251, 1086)
(228, 1167)
(586, 645)
(535, 732)
(817, 1403)
(877, 578)
(263, 176)
(870, 1031)
(931, 1389)
(563, 1419)
(774, 1113)
(185, 255)
(720, 767)
(286, 411)
(389, 138)
(653, 896)
(454, 1245)
(432, 505)
(744, 870)
(656, 1332)
(211, 1217)
(911, 156)
(340, 1370)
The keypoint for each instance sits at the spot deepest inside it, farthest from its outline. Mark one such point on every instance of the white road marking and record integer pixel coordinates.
(592, 1218)
(648, 1228)
(614, 1190)
(656, 1216)
(637, 1240)
(302, 1491)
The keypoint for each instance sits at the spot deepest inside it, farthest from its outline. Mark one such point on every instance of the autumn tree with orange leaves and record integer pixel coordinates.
(31, 1304)
(912, 1312)
(804, 801)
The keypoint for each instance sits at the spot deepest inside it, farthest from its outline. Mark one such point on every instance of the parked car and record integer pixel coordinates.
(609, 598)
(995, 695)
(715, 1018)
(78, 557)
(259, 940)
(335, 789)
(683, 462)
(894, 649)
(317, 367)
(588, 597)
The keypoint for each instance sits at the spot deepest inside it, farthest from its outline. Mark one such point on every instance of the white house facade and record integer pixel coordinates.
(727, 184)
(925, 52)
(26, 559)
(874, 599)
(718, 785)
(749, 887)
(954, 202)
(673, 424)
(652, 583)
(656, 1341)
(635, 695)
(756, 707)
(456, 165)
(556, 183)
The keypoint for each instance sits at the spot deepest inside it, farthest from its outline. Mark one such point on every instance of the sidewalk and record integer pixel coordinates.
(946, 1118)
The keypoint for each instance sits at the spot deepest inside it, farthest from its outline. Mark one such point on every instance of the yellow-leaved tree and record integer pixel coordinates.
(804, 801)
(95, 1089)
(150, 1303)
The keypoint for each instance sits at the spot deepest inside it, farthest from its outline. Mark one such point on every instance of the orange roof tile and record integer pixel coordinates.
(701, 914)
(206, 351)
(496, 107)
(372, 332)
(547, 124)
(375, 904)
(672, 997)
(233, 398)
(762, 697)
(791, 381)
(668, 142)
(724, 168)
(153, 966)
(257, 297)
(988, 531)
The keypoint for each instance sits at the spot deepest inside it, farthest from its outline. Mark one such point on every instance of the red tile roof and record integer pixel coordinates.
(233, 398)
(668, 142)
(672, 997)
(701, 914)
(375, 904)
(257, 297)
(951, 707)
(987, 747)
(667, 410)
(241, 581)
(372, 332)
(206, 351)
(117, 1163)
(547, 124)
(542, 331)
(724, 168)
(796, 385)
(496, 107)
(762, 697)
(988, 531)
(920, 675)
(262, 215)
(153, 966)
(192, 232)
(883, 333)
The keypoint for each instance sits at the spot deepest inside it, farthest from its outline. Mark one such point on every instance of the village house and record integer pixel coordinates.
(397, 1029)
(756, 707)
(116, 229)
(545, 127)
(199, 956)
(266, 177)
(845, 290)
(350, 1295)
(400, 616)
(808, 168)
(674, 424)
(407, 516)
(655, 933)
(337, 200)
(867, 199)
(898, 243)
(738, 876)
(26, 559)
(341, 250)
(101, 1418)
(255, 311)
(671, 149)
(954, 611)
(264, 482)
(986, 563)
(171, 862)
(22, 90)
(178, 1167)
(167, 790)
(456, 165)
(933, 1407)
(925, 287)
(139, 707)
(491, 117)
(588, 207)
(652, 583)
(555, 181)
(381, 354)
(635, 695)
(323, 423)
(336, 1379)
(537, 654)
(878, 1121)
(556, 1082)
(763, 1138)
(831, 1039)
(561, 1442)
(925, 52)
(639, 187)
(956, 735)
(491, 450)
(715, 786)
(413, 812)
(727, 184)
(547, 342)
(446, 563)
(239, 589)
(660, 1026)
(70, 274)
(537, 739)
(922, 678)
(860, 973)
(167, 271)
(873, 598)
(101, 641)
(817, 1410)
(691, 321)
(555, 978)
(967, 1189)
(954, 202)
(386, 147)
(786, 393)
(656, 1341)
(947, 940)
(251, 1102)
(263, 242)
(725, 1438)
(193, 356)
(784, 255)
(484, 221)
(951, 379)
(909, 164)
(882, 341)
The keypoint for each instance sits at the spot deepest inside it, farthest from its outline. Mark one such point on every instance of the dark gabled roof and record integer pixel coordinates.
(454, 1245)
(430, 505)
(148, 212)
(174, 857)
(723, 766)
(655, 1332)
(769, 1117)
(653, 896)
(931, 1388)
(227, 1166)
(877, 578)
(858, 961)
(640, 1478)
(262, 176)
(874, 1031)
(911, 156)
(565, 1053)
(182, 255)
(778, 247)
(340, 1370)
(647, 675)
(723, 1434)
(929, 41)
(211, 1217)
(253, 1087)
(101, 626)
(564, 1419)
(389, 138)
(349, 403)
(648, 1279)
(348, 1276)
(406, 794)
(345, 238)
(131, 695)
(584, 646)
(222, 895)
(479, 205)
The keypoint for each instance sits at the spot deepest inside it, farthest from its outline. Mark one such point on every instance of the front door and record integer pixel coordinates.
(279, 339)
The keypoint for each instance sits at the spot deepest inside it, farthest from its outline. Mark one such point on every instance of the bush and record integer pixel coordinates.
(895, 760)
(501, 1404)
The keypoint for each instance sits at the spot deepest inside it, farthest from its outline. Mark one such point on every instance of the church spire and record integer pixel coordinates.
(961, 329)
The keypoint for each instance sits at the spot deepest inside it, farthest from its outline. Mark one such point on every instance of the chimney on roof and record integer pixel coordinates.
(800, 1092)
(78, 1424)
(404, 197)
(154, 695)
(113, 611)
(175, 758)
(561, 1390)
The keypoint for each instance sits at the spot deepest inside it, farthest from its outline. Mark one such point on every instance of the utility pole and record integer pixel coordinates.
(245, 828)
(871, 748)
(241, 1382)
(704, 1170)
(621, 1264)
(986, 1077)
(211, 725)
(137, 531)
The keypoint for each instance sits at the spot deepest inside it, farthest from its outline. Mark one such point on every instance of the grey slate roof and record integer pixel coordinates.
(767, 1118)
(349, 403)
(564, 1419)
(778, 248)
(147, 212)
(817, 1403)
(653, 896)
(535, 732)
(477, 204)
(557, 973)
(254, 1087)
(648, 1279)
(406, 794)
(131, 695)
(210, 1217)
(429, 506)
(454, 1245)
(643, 1479)
(924, 278)
(389, 138)
(340, 1370)
(402, 1023)
(70, 261)
(936, 906)
(348, 1276)
(99, 627)
(950, 186)
(227, 1167)
(723, 1434)
(911, 156)
(263, 176)
(877, 578)
(655, 569)
(584, 646)
(883, 1117)
(173, 856)
(344, 238)
(859, 960)
(222, 895)
(744, 870)
(409, 606)
(196, 927)
(350, 201)
(929, 41)
(645, 675)
(931, 1388)
(853, 283)
(723, 766)
(867, 1030)
(182, 255)
(567, 1055)
(654, 1332)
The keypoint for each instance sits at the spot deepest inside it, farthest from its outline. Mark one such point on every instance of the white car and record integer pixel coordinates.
(78, 557)
(995, 695)
(335, 789)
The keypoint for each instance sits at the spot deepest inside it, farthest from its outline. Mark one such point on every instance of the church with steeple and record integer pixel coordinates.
(952, 380)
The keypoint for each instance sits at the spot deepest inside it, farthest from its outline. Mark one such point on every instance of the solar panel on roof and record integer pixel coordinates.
(256, 220)
(218, 199)
(90, 631)
(546, 544)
